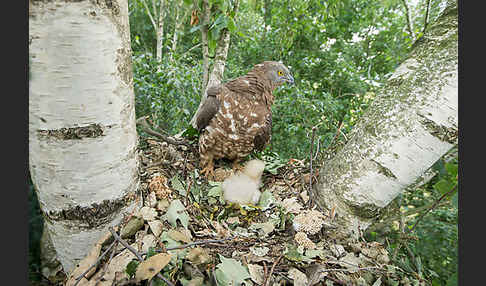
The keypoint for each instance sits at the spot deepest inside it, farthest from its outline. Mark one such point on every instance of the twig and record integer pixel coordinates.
(338, 132)
(139, 257)
(339, 282)
(196, 46)
(188, 191)
(200, 242)
(354, 269)
(433, 206)
(150, 15)
(142, 122)
(94, 264)
(311, 196)
(409, 20)
(265, 273)
(271, 270)
(106, 265)
(426, 18)
(405, 214)
(192, 244)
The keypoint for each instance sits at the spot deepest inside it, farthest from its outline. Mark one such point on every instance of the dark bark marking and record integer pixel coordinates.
(384, 171)
(94, 215)
(441, 132)
(74, 133)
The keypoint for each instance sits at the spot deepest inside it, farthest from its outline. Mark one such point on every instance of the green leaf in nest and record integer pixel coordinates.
(132, 267)
(292, 253)
(190, 132)
(230, 272)
(266, 199)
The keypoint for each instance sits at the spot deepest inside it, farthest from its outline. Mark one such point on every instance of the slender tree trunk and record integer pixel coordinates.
(266, 17)
(215, 76)
(220, 55)
(82, 137)
(426, 16)
(177, 26)
(408, 16)
(206, 14)
(160, 31)
(409, 126)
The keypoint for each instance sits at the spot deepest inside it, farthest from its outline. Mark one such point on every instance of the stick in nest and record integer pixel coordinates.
(142, 122)
(139, 257)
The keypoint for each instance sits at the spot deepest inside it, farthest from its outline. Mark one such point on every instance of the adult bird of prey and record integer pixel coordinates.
(236, 117)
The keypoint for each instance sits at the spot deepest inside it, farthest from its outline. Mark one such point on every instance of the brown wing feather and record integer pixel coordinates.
(263, 137)
(209, 108)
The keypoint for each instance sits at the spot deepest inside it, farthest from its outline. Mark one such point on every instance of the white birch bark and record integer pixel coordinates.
(160, 31)
(177, 25)
(410, 125)
(81, 83)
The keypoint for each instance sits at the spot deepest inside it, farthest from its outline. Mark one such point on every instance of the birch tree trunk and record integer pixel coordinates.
(410, 125)
(82, 138)
(177, 25)
(206, 14)
(160, 31)
(220, 55)
(215, 75)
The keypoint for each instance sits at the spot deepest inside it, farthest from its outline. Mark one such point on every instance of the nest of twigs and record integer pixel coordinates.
(184, 233)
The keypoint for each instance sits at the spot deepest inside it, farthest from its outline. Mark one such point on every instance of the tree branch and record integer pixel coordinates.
(94, 264)
(409, 20)
(426, 18)
(142, 122)
(432, 207)
(196, 46)
(150, 15)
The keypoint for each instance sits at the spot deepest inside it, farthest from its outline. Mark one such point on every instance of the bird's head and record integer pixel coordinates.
(277, 73)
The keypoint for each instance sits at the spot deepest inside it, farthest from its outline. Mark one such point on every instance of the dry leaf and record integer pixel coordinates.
(198, 256)
(256, 273)
(156, 227)
(151, 200)
(194, 18)
(300, 279)
(148, 241)
(117, 265)
(291, 205)
(179, 236)
(150, 267)
(89, 260)
(147, 213)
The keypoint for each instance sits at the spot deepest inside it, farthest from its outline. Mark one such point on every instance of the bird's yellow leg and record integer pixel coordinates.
(237, 166)
(208, 170)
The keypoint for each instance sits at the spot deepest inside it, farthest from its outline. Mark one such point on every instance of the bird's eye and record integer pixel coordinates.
(280, 73)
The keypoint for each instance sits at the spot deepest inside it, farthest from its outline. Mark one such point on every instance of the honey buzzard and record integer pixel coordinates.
(236, 117)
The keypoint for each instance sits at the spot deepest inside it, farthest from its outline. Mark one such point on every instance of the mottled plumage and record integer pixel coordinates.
(236, 117)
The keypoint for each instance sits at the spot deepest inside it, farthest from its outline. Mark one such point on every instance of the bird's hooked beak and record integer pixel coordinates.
(290, 79)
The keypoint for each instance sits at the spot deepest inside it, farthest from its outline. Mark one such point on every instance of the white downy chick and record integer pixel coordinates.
(243, 187)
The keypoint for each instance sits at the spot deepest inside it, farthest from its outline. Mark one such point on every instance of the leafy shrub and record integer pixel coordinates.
(169, 92)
